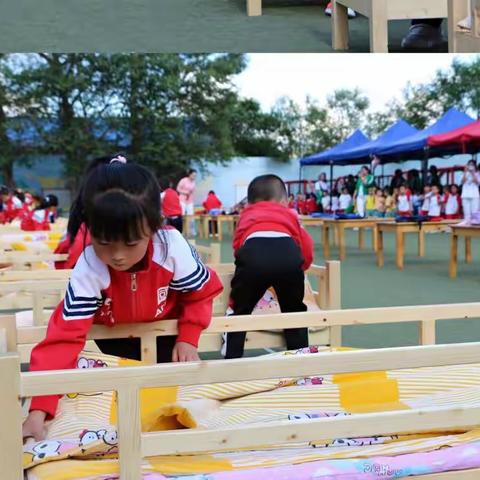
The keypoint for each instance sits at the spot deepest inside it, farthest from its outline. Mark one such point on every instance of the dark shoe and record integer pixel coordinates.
(423, 37)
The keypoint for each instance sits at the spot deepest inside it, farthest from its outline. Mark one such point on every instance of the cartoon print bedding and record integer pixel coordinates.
(82, 441)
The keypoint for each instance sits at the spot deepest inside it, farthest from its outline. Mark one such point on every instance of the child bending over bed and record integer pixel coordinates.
(134, 271)
(271, 249)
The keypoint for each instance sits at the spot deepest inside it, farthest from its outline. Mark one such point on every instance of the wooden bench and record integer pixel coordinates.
(379, 12)
(460, 40)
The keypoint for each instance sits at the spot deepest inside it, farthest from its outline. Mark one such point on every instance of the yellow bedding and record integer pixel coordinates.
(84, 428)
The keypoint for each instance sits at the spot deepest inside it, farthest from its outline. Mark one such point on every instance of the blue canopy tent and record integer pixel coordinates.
(355, 140)
(363, 153)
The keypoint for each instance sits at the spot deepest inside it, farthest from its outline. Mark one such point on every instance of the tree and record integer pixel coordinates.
(347, 109)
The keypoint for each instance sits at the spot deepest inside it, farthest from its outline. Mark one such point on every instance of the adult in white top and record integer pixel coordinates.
(186, 190)
(470, 190)
(321, 185)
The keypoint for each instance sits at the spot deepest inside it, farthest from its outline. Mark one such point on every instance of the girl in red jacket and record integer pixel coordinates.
(134, 271)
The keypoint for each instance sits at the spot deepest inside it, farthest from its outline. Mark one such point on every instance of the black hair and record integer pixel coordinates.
(20, 195)
(4, 190)
(211, 192)
(165, 182)
(75, 218)
(121, 202)
(266, 188)
(192, 170)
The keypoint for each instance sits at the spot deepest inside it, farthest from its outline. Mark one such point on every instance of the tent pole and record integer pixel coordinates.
(331, 176)
(425, 166)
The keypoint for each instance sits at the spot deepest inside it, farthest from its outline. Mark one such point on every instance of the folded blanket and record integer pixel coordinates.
(84, 428)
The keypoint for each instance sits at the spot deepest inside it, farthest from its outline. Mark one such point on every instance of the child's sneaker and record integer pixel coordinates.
(329, 9)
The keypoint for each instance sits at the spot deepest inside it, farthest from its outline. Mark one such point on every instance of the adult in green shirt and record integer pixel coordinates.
(364, 182)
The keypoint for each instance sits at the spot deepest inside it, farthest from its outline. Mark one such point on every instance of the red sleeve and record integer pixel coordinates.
(196, 311)
(59, 350)
(78, 246)
(306, 246)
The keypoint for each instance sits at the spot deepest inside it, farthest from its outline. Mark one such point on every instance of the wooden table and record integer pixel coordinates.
(458, 40)
(339, 227)
(231, 220)
(402, 228)
(379, 12)
(468, 233)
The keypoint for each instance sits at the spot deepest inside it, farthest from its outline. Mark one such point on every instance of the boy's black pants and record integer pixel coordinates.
(130, 348)
(262, 263)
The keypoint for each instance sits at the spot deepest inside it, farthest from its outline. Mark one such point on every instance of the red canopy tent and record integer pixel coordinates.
(464, 139)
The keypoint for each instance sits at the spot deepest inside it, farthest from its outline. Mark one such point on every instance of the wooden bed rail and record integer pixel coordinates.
(129, 380)
(426, 315)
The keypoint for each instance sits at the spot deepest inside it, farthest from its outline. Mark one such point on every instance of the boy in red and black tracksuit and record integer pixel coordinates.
(271, 249)
(172, 209)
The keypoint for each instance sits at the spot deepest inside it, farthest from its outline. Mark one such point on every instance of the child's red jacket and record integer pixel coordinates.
(173, 284)
(212, 202)
(171, 206)
(273, 217)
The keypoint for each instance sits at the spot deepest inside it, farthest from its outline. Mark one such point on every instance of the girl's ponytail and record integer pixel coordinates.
(77, 210)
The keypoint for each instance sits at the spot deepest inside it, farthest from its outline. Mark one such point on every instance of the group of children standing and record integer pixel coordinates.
(34, 212)
(399, 200)
(133, 268)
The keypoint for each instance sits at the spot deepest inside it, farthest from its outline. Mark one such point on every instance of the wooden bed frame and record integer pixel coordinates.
(460, 41)
(133, 444)
(43, 289)
(379, 12)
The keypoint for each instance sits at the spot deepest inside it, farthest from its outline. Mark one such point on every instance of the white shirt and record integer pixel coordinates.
(345, 201)
(335, 204)
(435, 209)
(326, 202)
(426, 203)
(320, 185)
(470, 188)
(404, 203)
(452, 206)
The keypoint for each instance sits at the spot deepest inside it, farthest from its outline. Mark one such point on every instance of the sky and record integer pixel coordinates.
(381, 77)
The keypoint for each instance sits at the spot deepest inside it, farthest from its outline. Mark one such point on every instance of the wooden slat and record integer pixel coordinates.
(194, 373)
(363, 425)
(11, 423)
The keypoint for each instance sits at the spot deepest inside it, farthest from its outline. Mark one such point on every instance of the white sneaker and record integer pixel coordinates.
(329, 10)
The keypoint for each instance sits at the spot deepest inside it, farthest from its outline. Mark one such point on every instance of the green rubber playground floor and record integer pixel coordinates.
(174, 26)
(423, 281)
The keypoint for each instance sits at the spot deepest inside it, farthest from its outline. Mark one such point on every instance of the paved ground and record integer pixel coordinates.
(423, 281)
(174, 26)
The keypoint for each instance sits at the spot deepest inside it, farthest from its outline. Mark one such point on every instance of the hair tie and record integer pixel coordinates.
(118, 158)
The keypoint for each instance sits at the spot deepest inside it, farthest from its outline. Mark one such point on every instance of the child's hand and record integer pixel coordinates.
(34, 426)
(184, 352)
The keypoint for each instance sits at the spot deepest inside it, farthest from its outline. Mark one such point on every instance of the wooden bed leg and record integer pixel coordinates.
(129, 433)
(11, 430)
(379, 27)
(340, 32)
(254, 8)
(427, 332)
(148, 344)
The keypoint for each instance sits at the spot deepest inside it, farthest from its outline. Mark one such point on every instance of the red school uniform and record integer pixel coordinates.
(35, 220)
(171, 203)
(174, 283)
(212, 202)
(12, 208)
(310, 206)
(273, 217)
(74, 249)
